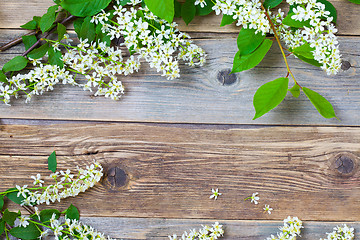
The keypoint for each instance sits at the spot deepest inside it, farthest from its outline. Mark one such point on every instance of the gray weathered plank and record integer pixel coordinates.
(168, 170)
(155, 228)
(199, 95)
(13, 14)
(139, 228)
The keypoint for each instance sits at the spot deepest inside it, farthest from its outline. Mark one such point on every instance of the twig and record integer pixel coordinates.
(280, 46)
(46, 35)
(29, 209)
(15, 41)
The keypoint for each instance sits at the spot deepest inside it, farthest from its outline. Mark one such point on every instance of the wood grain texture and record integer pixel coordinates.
(155, 228)
(168, 170)
(152, 228)
(199, 96)
(13, 14)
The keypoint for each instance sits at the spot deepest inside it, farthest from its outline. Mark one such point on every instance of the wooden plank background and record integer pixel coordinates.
(165, 144)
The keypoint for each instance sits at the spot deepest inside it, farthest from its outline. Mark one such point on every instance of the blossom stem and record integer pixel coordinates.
(38, 188)
(280, 46)
(98, 55)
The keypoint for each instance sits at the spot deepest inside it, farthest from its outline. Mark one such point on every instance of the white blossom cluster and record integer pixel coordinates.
(66, 185)
(290, 230)
(247, 13)
(206, 233)
(100, 64)
(36, 82)
(320, 33)
(72, 229)
(341, 233)
(158, 42)
(96, 61)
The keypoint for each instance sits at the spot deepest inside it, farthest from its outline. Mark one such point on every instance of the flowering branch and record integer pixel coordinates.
(279, 43)
(71, 17)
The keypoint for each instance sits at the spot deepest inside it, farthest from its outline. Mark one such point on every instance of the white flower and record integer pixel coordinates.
(22, 190)
(206, 232)
(289, 231)
(201, 2)
(253, 198)
(267, 209)
(37, 180)
(215, 193)
(23, 221)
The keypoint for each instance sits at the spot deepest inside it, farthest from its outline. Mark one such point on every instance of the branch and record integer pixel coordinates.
(15, 41)
(280, 46)
(46, 35)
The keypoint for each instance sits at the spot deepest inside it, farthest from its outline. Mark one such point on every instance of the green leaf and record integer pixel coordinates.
(48, 18)
(294, 23)
(162, 8)
(1, 203)
(242, 63)
(77, 26)
(72, 213)
(13, 196)
(52, 163)
(226, 20)
(31, 25)
(270, 95)
(83, 8)
(3, 78)
(309, 60)
(271, 3)
(10, 217)
(27, 233)
(46, 215)
(125, 2)
(177, 9)
(248, 41)
(355, 1)
(329, 7)
(16, 64)
(323, 106)
(304, 50)
(29, 41)
(207, 9)
(88, 30)
(61, 30)
(295, 90)
(39, 52)
(55, 57)
(103, 37)
(188, 11)
(2, 226)
(37, 20)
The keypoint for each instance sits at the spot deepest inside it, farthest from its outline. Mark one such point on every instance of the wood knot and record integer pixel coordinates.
(345, 65)
(226, 77)
(117, 177)
(344, 164)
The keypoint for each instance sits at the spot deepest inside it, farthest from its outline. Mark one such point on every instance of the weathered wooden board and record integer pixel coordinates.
(155, 228)
(152, 228)
(13, 14)
(199, 96)
(168, 170)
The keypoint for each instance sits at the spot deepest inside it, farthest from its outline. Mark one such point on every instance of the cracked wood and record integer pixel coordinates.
(167, 171)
